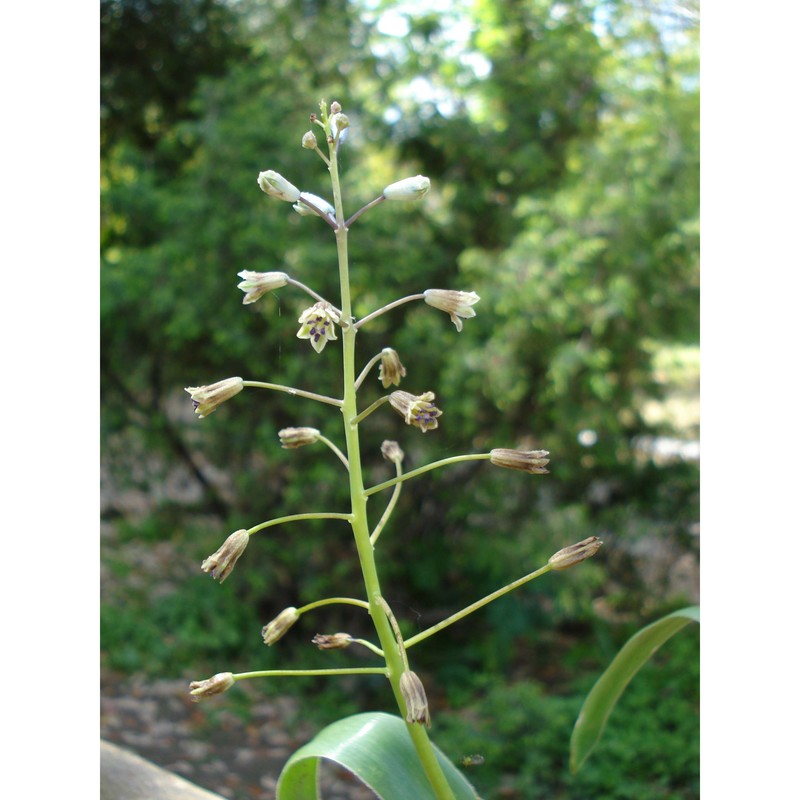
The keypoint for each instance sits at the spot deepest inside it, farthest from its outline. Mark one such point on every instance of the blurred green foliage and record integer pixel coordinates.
(562, 142)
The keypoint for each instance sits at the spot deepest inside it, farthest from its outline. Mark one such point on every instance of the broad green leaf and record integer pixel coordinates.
(377, 749)
(603, 697)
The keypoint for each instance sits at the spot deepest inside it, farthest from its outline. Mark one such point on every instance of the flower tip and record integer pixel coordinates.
(415, 699)
(206, 399)
(221, 563)
(275, 185)
(275, 630)
(217, 684)
(575, 553)
(408, 189)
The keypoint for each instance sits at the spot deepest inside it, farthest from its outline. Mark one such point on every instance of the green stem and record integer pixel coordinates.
(297, 518)
(332, 401)
(311, 292)
(389, 508)
(329, 601)
(389, 307)
(367, 207)
(341, 456)
(370, 646)
(475, 606)
(427, 468)
(294, 673)
(364, 372)
(358, 498)
(367, 411)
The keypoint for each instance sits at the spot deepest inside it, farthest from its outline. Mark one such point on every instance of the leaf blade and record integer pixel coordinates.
(602, 698)
(377, 749)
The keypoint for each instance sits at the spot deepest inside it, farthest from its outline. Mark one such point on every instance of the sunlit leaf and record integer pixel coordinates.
(377, 749)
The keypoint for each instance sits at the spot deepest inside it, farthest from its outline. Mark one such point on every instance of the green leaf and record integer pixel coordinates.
(603, 697)
(377, 749)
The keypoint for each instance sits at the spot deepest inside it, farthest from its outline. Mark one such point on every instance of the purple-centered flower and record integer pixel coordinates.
(318, 325)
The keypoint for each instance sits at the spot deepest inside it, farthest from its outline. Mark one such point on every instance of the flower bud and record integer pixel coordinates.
(318, 325)
(339, 122)
(323, 205)
(392, 452)
(575, 553)
(456, 304)
(391, 370)
(415, 699)
(417, 410)
(274, 630)
(217, 684)
(257, 284)
(533, 461)
(333, 641)
(292, 438)
(335, 108)
(221, 564)
(206, 399)
(408, 189)
(275, 185)
(309, 140)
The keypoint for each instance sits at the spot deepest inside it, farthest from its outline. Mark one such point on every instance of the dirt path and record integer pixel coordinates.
(212, 747)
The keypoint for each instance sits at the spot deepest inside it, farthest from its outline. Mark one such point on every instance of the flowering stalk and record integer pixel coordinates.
(358, 498)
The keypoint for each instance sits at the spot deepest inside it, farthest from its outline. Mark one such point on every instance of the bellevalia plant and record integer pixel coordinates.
(321, 323)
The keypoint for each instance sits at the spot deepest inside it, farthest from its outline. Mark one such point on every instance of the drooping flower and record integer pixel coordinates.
(417, 410)
(221, 563)
(275, 185)
(456, 304)
(274, 630)
(292, 438)
(392, 452)
(217, 684)
(533, 461)
(415, 698)
(206, 399)
(391, 369)
(408, 189)
(575, 553)
(257, 284)
(318, 324)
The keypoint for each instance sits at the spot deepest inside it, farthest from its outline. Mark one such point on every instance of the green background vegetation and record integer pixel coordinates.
(561, 139)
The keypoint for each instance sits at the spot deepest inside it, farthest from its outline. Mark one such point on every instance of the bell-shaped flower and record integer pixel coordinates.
(575, 553)
(206, 399)
(391, 370)
(415, 699)
(221, 563)
(392, 452)
(332, 641)
(217, 684)
(533, 461)
(456, 304)
(417, 410)
(274, 630)
(257, 284)
(292, 438)
(408, 189)
(318, 325)
(275, 185)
